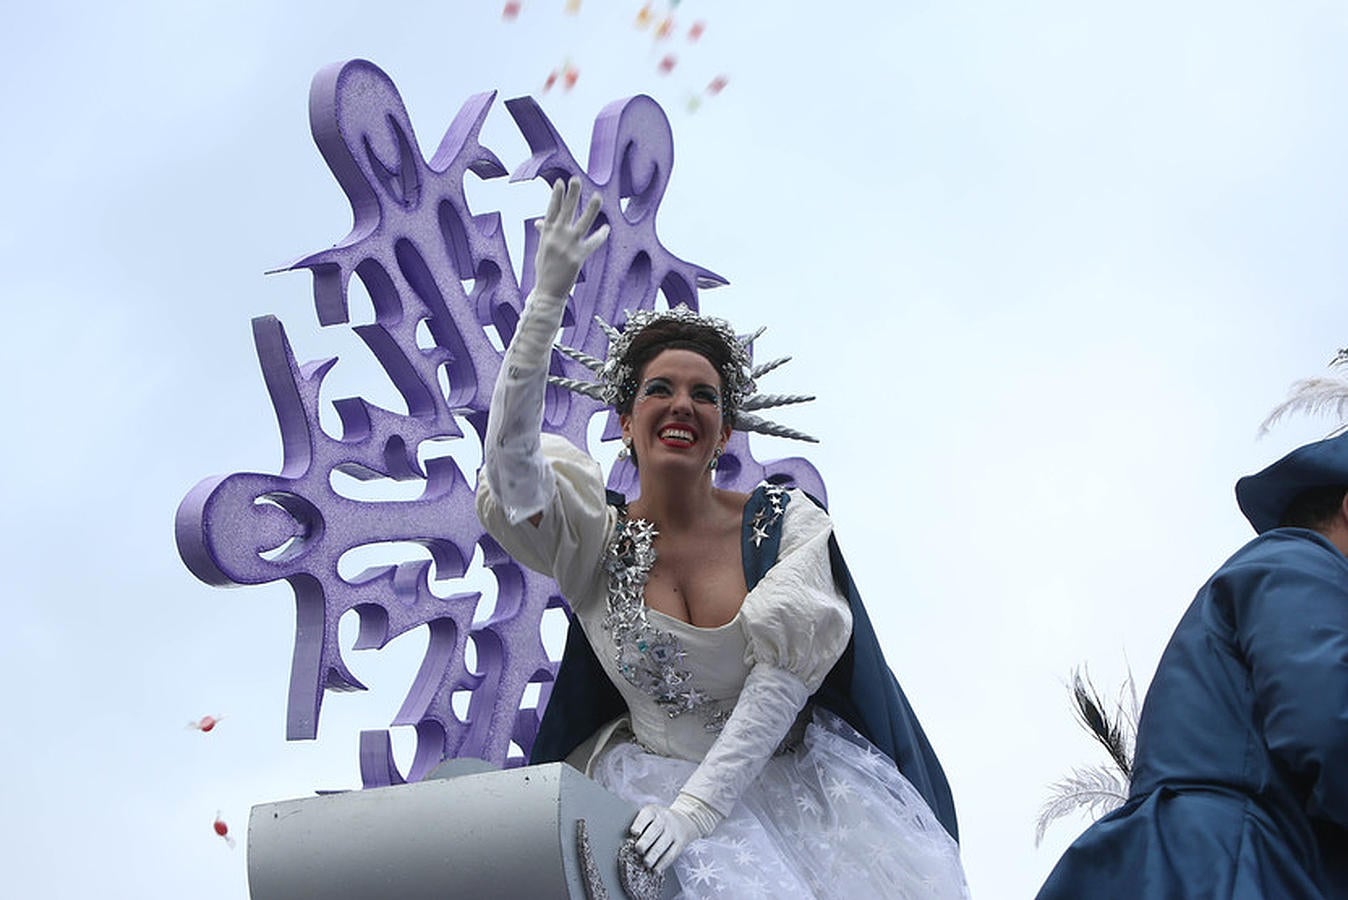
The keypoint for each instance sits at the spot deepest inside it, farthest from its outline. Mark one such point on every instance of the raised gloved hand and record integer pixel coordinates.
(562, 241)
(519, 476)
(664, 832)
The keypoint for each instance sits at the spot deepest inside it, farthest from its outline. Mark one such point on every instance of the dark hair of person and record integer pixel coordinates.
(1314, 508)
(671, 334)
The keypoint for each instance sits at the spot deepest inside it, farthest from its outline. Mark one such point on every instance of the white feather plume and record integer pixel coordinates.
(1313, 396)
(1097, 790)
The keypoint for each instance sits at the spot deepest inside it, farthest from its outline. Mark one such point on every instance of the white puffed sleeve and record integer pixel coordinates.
(795, 618)
(574, 528)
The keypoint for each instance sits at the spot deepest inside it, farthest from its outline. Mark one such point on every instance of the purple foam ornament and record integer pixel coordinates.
(425, 257)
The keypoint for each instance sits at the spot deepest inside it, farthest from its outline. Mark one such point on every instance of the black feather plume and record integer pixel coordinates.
(1108, 731)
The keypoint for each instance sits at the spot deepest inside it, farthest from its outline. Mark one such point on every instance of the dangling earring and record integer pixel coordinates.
(626, 449)
(715, 458)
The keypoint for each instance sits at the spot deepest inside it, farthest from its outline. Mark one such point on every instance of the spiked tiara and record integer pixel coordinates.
(616, 381)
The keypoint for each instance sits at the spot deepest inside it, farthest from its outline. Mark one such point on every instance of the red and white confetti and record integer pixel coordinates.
(658, 19)
(222, 830)
(205, 723)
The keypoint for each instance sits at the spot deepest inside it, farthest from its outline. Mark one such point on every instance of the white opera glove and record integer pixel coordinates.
(519, 476)
(767, 707)
(562, 242)
(663, 832)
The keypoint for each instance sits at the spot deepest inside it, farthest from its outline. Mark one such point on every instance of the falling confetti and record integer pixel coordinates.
(511, 11)
(205, 723)
(222, 829)
(566, 73)
(658, 19)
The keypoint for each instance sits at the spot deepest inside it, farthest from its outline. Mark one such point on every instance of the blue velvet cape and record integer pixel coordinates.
(860, 688)
(1240, 781)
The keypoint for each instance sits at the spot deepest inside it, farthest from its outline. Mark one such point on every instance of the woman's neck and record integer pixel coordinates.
(673, 504)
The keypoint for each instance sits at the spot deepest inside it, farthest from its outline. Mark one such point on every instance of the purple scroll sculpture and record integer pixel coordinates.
(428, 262)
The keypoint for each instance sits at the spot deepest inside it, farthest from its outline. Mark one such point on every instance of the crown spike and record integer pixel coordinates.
(590, 389)
(749, 422)
(765, 368)
(594, 364)
(610, 332)
(768, 401)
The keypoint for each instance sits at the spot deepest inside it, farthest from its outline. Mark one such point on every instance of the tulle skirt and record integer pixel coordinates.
(833, 818)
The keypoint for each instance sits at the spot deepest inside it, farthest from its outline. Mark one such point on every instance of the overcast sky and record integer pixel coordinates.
(1046, 265)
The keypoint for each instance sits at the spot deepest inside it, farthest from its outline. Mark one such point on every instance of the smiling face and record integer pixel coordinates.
(676, 415)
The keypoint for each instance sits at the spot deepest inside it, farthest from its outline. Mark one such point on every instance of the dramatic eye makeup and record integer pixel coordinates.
(660, 387)
(655, 387)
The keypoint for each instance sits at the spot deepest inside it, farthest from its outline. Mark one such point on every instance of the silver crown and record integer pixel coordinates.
(616, 382)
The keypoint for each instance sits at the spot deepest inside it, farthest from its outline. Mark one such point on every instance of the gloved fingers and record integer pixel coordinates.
(666, 860)
(563, 244)
(644, 818)
(661, 835)
(594, 241)
(554, 203)
(570, 200)
(650, 835)
(589, 213)
(659, 850)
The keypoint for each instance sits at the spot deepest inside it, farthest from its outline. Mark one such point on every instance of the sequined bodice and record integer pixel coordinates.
(680, 681)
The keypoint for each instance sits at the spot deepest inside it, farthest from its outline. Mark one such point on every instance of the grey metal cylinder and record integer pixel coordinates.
(506, 834)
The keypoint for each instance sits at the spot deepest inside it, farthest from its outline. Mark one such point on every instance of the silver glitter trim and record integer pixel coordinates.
(589, 869)
(638, 882)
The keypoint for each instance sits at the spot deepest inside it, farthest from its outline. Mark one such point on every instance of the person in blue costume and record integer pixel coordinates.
(1240, 778)
(720, 671)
